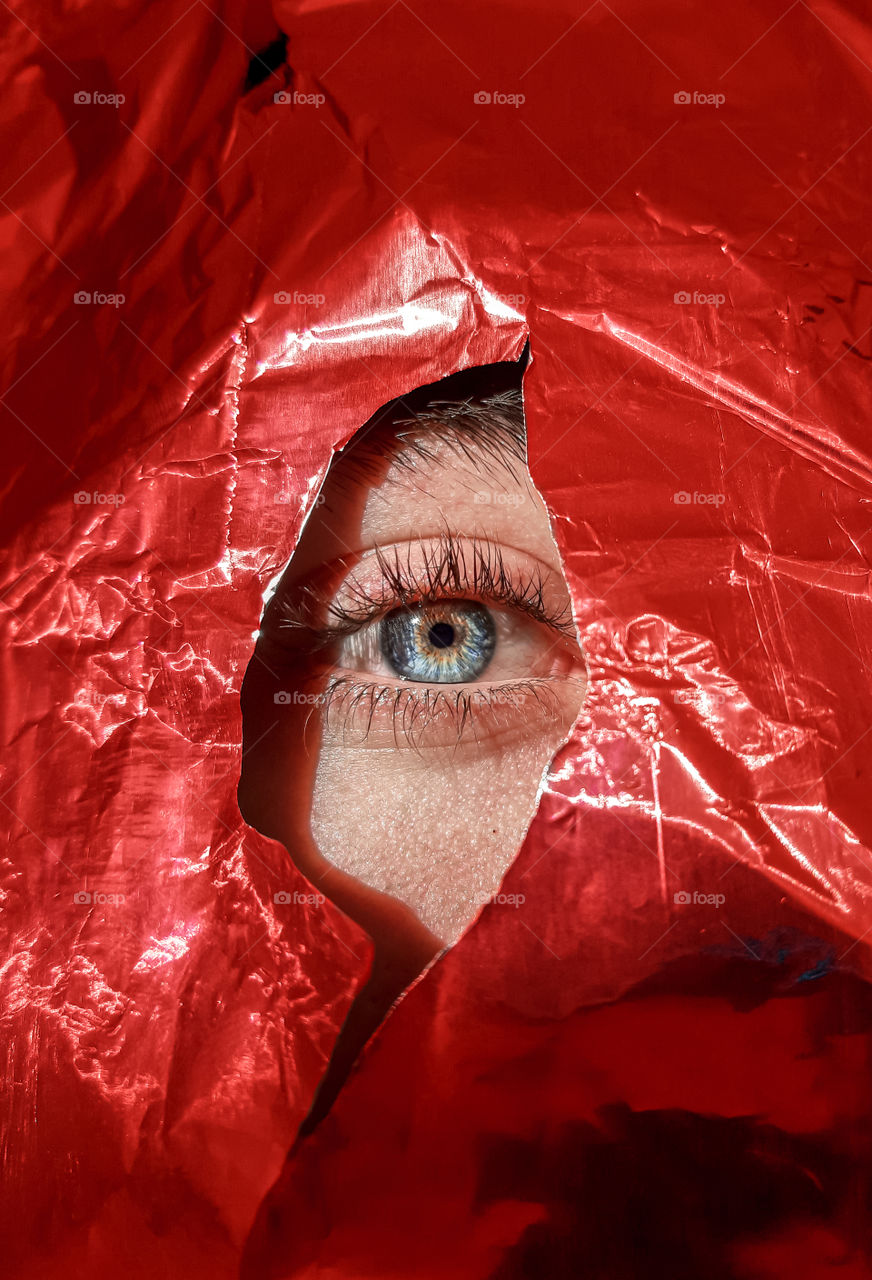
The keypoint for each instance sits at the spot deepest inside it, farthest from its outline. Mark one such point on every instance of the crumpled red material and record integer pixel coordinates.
(659, 1063)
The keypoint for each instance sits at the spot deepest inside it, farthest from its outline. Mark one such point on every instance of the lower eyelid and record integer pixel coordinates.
(388, 716)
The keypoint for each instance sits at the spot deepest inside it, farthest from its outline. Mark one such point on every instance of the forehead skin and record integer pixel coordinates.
(408, 495)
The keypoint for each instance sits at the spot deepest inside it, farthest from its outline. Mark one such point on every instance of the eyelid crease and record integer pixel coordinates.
(446, 571)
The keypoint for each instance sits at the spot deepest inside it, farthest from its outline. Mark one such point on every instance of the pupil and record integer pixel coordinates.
(441, 635)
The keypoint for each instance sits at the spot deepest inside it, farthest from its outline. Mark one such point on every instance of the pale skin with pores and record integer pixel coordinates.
(412, 840)
(437, 826)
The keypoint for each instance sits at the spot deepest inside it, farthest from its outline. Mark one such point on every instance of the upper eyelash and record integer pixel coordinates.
(447, 570)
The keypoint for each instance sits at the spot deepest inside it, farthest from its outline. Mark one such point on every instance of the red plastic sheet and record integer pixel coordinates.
(211, 290)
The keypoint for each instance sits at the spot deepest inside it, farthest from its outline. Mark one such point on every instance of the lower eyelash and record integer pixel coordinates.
(411, 711)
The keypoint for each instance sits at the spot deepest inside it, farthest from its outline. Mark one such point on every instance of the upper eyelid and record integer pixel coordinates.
(446, 570)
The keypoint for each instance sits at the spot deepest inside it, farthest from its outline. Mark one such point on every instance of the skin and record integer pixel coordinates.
(410, 840)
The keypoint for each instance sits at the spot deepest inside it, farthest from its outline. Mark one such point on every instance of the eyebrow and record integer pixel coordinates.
(486, 432)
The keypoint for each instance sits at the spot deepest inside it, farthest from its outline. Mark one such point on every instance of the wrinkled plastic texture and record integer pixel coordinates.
(612, 1080)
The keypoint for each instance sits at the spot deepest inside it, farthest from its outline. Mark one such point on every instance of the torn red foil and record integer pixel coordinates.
(213, 287)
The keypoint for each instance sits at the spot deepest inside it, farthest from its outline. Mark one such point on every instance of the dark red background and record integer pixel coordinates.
(603, 1082)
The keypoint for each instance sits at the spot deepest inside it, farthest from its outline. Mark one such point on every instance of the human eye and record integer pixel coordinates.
(435, 642)
(417, 669)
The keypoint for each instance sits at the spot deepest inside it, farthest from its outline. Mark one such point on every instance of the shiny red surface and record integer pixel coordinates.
(606, 1081)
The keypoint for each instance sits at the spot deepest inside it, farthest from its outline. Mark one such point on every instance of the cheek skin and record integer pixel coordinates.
(436, 830)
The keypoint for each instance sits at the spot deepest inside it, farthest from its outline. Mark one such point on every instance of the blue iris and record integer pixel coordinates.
(446, 643)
